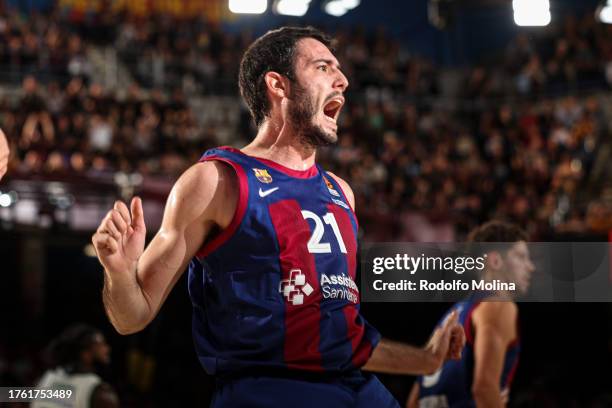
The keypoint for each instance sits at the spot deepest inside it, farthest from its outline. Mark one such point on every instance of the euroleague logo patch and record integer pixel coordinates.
(330, 187)
(294, 288)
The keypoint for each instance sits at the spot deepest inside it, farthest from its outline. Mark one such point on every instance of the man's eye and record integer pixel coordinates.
(322, 68)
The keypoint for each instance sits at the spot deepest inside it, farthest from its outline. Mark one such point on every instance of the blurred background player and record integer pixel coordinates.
(261, 229)
(483, 376)
(75, 358)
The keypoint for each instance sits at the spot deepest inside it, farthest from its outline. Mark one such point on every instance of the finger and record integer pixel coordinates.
(122, 209)
(109, 226)
(111, 244)
(454, 348)
(118, 221)
(102, 227)
(104, 243)
(96, 240)
(445, 337)
(456, 351)
(110, 229)
(459, 339)
(463, 336)
(457, 331)
(137, 213)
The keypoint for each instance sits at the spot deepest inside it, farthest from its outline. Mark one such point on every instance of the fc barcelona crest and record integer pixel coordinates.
(263, 175)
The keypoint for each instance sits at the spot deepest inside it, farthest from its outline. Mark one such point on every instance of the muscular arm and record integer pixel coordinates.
(495, 327)
(391, 357)
(399, 358)
(135, 287)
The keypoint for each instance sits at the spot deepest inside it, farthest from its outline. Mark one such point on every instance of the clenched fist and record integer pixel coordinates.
(120, 238)
(448, 340)
(4, 154)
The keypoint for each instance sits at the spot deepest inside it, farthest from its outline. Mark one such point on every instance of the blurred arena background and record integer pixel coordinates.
(455, 115)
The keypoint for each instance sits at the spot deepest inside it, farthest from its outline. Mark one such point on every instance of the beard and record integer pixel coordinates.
(302, 111)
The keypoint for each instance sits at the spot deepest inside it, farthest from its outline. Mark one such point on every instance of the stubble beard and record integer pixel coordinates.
(302, 112)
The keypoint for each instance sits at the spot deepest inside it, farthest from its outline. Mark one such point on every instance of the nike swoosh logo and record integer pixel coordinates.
(262, 193)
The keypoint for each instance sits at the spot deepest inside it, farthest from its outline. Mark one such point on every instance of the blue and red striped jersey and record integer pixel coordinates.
(276, 288)
(451, 386)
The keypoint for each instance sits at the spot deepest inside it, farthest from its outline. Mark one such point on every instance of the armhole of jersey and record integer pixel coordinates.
(468, 327)
(513, 343)
(243, 195)
(344, 196)
(512, 372)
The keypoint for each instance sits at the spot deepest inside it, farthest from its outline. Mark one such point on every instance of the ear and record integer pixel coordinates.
(277, 84)
(494, 260)
(86, 356)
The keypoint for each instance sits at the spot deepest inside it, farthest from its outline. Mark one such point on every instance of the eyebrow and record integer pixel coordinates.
(327, 61)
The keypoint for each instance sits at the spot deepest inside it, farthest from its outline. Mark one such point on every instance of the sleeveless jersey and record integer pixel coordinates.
(276, 288)
(450, 387)
(81, 385)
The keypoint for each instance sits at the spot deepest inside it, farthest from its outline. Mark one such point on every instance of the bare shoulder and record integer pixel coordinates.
(207, 191)
(496, 310)
(500, 316)
(345, 188)
(206, 176)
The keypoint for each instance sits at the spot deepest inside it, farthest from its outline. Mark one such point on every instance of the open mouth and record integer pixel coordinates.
(333, 107)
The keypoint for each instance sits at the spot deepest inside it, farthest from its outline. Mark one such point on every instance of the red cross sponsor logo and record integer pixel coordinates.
(294, 288)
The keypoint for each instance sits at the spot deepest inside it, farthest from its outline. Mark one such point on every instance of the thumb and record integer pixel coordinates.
(446, 329)
(137, 214)
(450, 320)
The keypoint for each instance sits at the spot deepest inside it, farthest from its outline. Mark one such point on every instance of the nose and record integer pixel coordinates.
(531, 266)
(340, 82)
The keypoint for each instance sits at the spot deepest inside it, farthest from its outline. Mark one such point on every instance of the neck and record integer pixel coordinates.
(276, 141)
(499, 294)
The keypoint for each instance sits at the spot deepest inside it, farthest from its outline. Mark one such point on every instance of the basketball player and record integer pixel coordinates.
(4, 154)
(271, 241)
(482, 377)
(75, 354)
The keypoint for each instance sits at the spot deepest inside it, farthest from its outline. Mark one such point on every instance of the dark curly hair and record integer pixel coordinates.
(274, 51)
(497, 231)
(66, 348)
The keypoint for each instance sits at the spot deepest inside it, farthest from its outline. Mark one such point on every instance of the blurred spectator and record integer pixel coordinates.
(75, 357)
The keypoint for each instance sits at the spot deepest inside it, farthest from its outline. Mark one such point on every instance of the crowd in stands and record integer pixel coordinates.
(81, 128)
(446, 169)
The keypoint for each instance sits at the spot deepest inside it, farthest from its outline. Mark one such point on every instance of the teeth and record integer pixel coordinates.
(334, 104)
